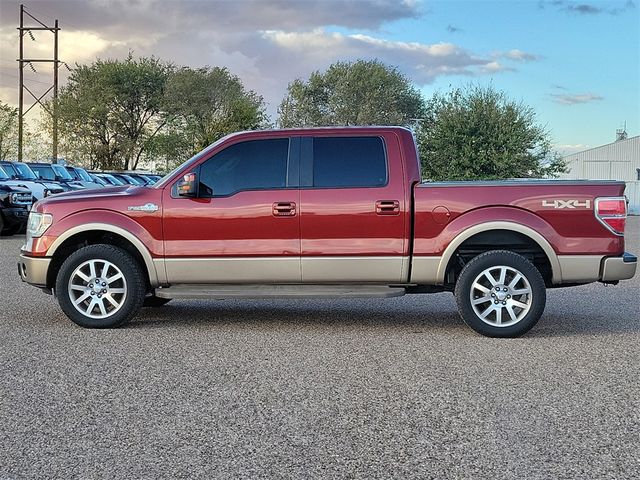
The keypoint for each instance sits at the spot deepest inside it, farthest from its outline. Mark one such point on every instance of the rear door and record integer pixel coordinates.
(244, 225)
(352, 209)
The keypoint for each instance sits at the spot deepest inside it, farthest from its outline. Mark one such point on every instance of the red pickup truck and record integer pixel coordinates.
(325, 212)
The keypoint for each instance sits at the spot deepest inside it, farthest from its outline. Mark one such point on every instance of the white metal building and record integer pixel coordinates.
(619, 160)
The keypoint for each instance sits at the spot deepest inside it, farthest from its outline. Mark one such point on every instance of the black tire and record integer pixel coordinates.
(155, 302)
(133, 284)
(473, 281)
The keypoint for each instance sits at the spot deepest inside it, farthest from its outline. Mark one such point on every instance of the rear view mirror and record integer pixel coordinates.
(188, 186)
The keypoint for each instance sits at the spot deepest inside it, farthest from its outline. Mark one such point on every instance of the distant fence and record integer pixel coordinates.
(633, 194)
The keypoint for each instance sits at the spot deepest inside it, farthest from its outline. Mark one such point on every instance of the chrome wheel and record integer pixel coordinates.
(97, 288)
(501, 296)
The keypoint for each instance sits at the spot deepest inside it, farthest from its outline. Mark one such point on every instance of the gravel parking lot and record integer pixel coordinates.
(320, 389)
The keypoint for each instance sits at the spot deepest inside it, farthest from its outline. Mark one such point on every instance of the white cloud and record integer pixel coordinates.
(521, 56)
(421, 62)
(575, 98)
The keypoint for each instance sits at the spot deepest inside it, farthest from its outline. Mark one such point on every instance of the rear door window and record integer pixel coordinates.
(349, 162)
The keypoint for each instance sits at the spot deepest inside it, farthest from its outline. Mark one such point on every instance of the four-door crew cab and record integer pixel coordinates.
(325, 212)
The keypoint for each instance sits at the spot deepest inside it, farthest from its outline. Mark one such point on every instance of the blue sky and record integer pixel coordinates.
(576, 62)
(592, 54)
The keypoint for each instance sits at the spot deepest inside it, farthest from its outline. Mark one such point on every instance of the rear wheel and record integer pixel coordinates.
(100, 286)
(500, 294)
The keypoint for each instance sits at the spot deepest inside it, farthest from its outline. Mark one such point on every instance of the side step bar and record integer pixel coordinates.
(220, 292)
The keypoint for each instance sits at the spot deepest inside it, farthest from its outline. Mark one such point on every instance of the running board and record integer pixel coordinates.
(220, 292)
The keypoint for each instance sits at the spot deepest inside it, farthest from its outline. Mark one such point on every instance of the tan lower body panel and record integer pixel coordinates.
(580, 268)
(424, 270)
(287, 270)
(355, 269)
(234, 270)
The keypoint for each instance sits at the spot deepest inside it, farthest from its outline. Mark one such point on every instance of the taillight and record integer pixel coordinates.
(612, 213)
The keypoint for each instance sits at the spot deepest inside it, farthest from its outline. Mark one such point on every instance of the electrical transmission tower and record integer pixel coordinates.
(22, 62)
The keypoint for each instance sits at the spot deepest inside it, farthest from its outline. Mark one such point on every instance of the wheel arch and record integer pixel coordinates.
(497, 226)
(92, 233)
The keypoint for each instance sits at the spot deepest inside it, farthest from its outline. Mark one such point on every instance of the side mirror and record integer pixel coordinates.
(188, 186)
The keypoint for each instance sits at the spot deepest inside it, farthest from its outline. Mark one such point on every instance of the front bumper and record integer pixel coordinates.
(15, 217)
(618, 268)
(34, 270)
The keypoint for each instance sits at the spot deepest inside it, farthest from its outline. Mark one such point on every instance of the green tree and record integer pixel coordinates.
(479, 133)
(109, 111)
(8, 132)
(352, 93)
(209, 103)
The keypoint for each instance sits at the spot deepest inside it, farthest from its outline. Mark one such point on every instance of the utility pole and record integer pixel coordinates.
(30, 61)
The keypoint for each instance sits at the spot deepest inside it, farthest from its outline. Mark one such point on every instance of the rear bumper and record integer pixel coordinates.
(618, 268)
(34, 270)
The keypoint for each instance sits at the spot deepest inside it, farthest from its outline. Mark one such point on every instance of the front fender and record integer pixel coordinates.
(150, 248)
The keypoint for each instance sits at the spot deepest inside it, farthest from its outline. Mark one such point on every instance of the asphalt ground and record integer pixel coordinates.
(389, 388)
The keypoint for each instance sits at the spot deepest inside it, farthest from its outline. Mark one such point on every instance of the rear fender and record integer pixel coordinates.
(483, 219)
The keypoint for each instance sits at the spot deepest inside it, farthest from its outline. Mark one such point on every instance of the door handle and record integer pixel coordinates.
(388, 207)
(284, 209)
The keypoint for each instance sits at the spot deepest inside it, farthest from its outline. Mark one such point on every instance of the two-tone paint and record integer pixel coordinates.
(403, 233)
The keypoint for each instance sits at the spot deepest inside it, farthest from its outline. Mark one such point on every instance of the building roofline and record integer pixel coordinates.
(600, 146)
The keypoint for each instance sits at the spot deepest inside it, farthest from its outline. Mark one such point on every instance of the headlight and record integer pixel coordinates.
(47, 192)
(13, 198)
(38, 224)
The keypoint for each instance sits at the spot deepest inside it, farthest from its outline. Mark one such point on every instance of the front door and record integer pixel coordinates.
(244, 225)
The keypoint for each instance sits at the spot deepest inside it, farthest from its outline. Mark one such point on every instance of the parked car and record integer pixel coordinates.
(55, 173)
(141, 176)
(17, 173)
(15, 203)
(99, 180)
(109, 179)
(128, 179)
(332, 212)
(81, 176)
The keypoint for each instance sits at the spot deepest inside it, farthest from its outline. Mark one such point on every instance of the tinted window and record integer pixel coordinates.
(62, 172)
(25, 172)
(252, 165)
(349, 162)
(43, 172)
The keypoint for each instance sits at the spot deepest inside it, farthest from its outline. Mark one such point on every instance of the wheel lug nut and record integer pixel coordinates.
(99, 296)
(497, 289)
(104, 291)
(93, 293)
(90, 285)
(506, 289)
(508, 296)
(104, 284)
(496, 302)
(504, 303)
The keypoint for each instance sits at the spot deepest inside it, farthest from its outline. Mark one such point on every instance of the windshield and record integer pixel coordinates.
(3, 174)
(25, 172)
(9, 170)
(113, 180)
(84, 176)
(132, 180)
(61, 172)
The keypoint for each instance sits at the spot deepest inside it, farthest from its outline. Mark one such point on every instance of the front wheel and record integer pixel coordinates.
(100, 286)
(500, 294)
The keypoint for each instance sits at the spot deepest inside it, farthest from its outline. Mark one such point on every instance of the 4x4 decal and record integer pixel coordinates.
(557, 203)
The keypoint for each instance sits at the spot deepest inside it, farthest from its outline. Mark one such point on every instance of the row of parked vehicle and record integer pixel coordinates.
(24, 183)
